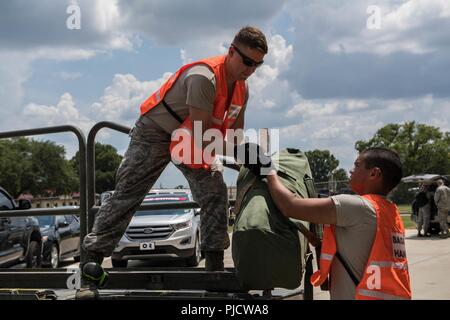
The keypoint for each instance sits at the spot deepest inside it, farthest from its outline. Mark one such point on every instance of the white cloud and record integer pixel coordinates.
(13, 74)
(121, 100)
(64, 113)
(267, 88)
(42, 26)
(335, 124)
(412, 26)
(186, 22)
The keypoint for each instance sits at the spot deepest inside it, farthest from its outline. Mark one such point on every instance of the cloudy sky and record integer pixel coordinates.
(337, 70)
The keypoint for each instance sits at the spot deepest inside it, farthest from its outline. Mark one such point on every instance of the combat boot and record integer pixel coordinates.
(214, 260)
(87, 291)
(93, 277)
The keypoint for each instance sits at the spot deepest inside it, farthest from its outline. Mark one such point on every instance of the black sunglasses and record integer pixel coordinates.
(249, 62)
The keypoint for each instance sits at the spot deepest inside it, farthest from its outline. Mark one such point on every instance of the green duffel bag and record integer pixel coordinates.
(268, 249)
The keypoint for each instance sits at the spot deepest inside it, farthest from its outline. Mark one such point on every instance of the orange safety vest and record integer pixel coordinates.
(224, 114)
(386, 275)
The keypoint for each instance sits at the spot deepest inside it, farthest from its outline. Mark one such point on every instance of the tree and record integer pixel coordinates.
(107, 161)
(322, 164)
(50, 168)
(422, 149)
(341, 176)
(35, 166)
(15, 162)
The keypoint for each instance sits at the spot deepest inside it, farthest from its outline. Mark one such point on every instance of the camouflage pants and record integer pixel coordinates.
(144, 161)
(424, 218)
(443, 214)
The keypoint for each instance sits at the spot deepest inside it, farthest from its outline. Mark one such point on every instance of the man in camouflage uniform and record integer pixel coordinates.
(442, 200)
(193, 95)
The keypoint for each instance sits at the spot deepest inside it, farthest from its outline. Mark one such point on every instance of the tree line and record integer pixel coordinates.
(40, 167)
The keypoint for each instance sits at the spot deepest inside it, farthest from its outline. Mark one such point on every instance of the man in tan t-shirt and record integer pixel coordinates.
(193, 94)
(377, 171)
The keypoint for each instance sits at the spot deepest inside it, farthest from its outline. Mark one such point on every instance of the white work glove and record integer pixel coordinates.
(216, 165)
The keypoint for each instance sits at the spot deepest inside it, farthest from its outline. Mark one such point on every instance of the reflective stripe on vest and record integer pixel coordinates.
(379, 295)
(390, 264)
(325, 256)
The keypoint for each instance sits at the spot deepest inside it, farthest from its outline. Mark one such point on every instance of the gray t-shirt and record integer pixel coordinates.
(355, 232)
(196, 87)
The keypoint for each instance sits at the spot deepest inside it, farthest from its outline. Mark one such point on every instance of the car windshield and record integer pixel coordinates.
(45, 221)
(164, 198)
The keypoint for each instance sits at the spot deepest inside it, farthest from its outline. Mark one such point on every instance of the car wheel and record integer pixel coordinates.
(119, 263)
(194, 260)
(34, 256)
(54, 256)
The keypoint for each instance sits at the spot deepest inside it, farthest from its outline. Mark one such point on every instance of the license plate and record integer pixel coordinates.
(147, 246)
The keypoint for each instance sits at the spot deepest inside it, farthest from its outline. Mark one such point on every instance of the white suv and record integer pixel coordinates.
(161, 234)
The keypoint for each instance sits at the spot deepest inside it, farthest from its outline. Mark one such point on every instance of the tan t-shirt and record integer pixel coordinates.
(195, 87)
(355, 232)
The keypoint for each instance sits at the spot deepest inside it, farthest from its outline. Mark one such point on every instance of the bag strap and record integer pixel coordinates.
(309, 183)
(241, 195)
(170, 110)
(347, 268)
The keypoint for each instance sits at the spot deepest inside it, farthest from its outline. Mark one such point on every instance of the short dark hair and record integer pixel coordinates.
(251, 37)
(389, 163)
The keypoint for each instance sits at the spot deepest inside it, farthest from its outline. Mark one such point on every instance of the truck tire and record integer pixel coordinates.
(194, 260)
(34, 255)
(54, 256)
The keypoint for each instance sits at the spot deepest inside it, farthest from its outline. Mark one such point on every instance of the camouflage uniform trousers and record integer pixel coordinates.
(424, 218)
(147, 156)
(443, 214)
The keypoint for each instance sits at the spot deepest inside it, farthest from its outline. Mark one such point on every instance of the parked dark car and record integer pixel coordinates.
(20, 237)
(61, 239)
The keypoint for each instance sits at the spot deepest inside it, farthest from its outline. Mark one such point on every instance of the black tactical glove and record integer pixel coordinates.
(253, 157)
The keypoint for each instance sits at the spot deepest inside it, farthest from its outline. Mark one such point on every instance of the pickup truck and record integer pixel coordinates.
(20, 237)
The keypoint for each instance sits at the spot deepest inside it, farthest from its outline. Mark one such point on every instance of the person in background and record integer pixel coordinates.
(424, 208)
(442, 200)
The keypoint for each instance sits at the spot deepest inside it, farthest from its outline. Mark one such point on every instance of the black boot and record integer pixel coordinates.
(214, 260)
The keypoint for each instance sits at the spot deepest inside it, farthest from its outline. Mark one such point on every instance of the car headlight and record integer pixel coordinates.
(182, 225)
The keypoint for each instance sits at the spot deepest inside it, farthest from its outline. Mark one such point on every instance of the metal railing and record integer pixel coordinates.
(169, 279)
(90, 156)
(82, 211)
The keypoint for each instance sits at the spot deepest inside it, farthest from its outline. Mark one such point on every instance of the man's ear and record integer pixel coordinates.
(231, 51)
(375, 172)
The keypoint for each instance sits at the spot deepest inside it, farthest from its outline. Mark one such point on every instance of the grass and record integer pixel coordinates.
(404, 208)
(407, 222)
(405, 212)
